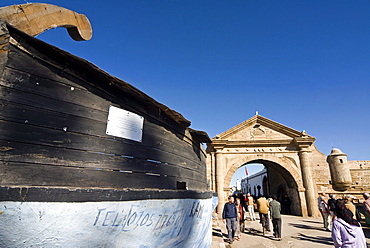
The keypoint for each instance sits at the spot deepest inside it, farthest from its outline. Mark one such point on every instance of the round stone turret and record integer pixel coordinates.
(339, 170)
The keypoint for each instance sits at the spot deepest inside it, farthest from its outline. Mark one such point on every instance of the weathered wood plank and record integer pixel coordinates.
(62, 90)
(40, 175)
(58, 138)
(12, 173)
(155, 137)
(51, 104)
(50, 194)
(33, 154)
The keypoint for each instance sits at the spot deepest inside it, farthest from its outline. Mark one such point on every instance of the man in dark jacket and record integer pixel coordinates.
(275, 209)
(229, 215)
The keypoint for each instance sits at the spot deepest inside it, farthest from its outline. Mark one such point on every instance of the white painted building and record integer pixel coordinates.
(255, 184)
(238, 184)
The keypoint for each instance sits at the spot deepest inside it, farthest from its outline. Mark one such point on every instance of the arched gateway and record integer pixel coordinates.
(293, 162)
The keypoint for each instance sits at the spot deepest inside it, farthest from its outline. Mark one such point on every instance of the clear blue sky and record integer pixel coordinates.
(304, 64)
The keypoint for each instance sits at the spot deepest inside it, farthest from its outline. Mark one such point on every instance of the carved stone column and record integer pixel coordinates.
(213, 172)
(218, 146)
(304, 143)
(220, 182)
(302, 196)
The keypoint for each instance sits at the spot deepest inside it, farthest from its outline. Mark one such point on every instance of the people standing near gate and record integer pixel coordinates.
(347, 232)
(263, 209)
(318, 205)
(243, 201)
(251, 207)
(286, 204)
(269, 199)
(240, 220)
(331, 204)
(348, 203)
(324, 209)
(229, 215)
(275, 209)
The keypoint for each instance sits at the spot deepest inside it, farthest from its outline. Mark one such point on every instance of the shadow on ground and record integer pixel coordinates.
(315, 239)
(216, 232)
(255, 232)
(303, 226)
(251, 231)
(312, 221)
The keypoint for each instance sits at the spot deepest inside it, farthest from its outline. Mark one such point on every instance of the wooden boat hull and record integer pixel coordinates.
(54, 111)
(88, 160)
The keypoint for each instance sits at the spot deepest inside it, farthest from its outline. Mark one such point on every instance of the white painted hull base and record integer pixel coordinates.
(144, 223)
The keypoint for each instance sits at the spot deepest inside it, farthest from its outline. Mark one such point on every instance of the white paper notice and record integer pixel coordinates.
(124, 124)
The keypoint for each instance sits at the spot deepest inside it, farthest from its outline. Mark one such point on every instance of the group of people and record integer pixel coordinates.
(340, 216)
(344, 219)
(233, 214)
(268, 209)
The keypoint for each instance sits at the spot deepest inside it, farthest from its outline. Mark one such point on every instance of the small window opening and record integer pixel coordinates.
(181, 185)
(341, 161)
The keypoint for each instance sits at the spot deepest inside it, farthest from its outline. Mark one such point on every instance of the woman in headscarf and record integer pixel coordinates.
(347, 231)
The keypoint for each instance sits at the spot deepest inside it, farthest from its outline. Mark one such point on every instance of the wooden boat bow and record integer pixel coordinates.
(35, 18)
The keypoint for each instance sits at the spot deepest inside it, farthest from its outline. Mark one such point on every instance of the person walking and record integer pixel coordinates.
(263, 209)
(348, 203)
(229, 215)
(275, 209)
(321, 195)
(240, 219)
(243, 201)
(346, 232)
(366, 205)
(324, 209)
(251, 207)
(331, 205)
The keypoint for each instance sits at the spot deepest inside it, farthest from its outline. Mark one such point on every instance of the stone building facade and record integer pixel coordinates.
(294, 165)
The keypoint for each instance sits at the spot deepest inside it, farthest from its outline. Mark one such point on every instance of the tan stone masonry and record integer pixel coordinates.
(294, 165)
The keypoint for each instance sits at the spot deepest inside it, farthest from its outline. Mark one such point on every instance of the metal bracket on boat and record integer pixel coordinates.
(35, 18)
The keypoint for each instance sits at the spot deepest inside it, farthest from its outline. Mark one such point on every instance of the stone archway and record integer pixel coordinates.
(285, 150)
(283, 168)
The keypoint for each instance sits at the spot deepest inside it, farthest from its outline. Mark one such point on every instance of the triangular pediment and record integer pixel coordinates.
(259, 128)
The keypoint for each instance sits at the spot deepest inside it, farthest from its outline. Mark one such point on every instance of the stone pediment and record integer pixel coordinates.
(259, 128)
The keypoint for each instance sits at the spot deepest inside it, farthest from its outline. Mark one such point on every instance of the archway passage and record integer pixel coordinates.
(286, 153)
(276, 180)
(271, 179)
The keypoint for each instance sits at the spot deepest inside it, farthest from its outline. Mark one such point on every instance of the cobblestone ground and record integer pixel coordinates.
(297, 232)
